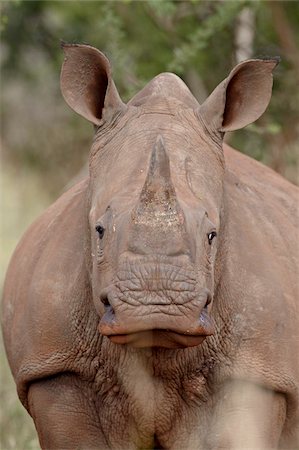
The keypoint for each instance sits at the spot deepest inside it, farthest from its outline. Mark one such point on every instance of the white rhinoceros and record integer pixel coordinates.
(153, 305)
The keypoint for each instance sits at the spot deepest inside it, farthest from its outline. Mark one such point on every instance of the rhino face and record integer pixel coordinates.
(156, 177)
(153, 261)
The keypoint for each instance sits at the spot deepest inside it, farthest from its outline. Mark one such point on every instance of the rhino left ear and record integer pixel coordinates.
(242, 97)
(87, 85)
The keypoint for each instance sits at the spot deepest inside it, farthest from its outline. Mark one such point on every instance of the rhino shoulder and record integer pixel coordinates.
(260, 268)
(262, 217)
(47, 316)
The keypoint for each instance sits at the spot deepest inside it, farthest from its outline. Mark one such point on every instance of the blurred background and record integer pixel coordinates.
(44, 145)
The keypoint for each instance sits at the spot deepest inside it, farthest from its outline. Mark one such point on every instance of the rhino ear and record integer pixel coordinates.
(87, 85)
(242, 97)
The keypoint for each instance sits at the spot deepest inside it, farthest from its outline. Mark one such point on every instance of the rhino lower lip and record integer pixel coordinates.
(135, 336)
(157, 338)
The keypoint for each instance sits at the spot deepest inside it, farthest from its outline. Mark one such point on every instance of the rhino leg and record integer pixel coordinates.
(248, 416)
(64, 414)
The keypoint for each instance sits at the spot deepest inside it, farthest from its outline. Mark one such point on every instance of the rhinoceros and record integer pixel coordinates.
(153, 305)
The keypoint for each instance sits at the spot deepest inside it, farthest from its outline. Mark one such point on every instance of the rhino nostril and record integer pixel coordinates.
(208, 301)
(105, 301)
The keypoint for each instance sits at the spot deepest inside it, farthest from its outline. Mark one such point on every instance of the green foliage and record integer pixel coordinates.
(141, 38)
(205, 32)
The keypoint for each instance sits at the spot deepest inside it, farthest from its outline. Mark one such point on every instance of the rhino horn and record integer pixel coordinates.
(158, 202)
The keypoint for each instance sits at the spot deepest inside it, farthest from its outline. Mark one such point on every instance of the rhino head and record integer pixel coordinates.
(156, 206)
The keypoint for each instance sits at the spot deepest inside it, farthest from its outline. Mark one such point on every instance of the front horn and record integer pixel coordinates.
(157, 204)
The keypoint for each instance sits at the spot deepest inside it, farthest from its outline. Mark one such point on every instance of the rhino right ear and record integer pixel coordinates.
(242, 97)
(87, 85)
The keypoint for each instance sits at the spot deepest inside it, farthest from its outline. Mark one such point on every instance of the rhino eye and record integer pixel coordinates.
(211, 236)
(100, 230)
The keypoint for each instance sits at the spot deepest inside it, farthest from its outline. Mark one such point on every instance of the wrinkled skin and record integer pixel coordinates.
(154, 304)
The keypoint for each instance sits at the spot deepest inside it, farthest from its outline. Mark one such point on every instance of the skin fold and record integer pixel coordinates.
(155, 303)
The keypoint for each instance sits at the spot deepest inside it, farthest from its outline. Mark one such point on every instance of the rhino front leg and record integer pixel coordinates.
(64, 414)
(247, 416)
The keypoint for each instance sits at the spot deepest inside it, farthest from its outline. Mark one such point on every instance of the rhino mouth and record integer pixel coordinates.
(142, 335)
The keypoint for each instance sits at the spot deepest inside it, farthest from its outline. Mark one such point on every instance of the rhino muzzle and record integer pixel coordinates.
(156, 304)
